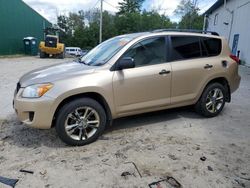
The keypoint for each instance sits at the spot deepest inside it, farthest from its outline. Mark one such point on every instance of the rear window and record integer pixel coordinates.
(189, 47)
(211, 46)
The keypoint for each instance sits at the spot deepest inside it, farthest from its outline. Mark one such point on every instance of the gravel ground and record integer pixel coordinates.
(161, 144)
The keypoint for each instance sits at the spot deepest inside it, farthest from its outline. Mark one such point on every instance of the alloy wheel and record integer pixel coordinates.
(82, 123)
(214, 100)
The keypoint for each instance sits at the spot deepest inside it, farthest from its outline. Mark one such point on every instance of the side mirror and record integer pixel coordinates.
(125, 63)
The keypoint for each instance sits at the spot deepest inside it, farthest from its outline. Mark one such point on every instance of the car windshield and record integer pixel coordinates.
(103, 52)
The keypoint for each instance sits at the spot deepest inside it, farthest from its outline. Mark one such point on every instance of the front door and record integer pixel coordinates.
(146, 86)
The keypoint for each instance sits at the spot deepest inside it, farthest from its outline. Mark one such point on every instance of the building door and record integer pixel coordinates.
(241, 26)
(235, 44)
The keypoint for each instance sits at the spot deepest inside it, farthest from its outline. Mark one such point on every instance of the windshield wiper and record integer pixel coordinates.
(79, 61)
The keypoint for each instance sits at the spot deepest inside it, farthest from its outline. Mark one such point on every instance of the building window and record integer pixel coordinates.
(216, 19)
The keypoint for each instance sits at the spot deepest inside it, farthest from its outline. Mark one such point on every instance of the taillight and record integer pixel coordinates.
(235, 58)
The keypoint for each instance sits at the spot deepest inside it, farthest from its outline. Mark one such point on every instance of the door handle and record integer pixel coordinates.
(207, 66)
(163, 71)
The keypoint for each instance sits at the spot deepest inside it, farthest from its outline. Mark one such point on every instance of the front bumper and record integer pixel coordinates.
(36, 112)
(51, 50)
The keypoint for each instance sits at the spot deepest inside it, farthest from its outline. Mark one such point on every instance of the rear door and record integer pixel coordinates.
(148, 85)
(193, 60)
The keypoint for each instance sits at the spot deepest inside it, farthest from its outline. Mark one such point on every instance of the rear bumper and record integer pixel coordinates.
(235, 83)
(35, 113)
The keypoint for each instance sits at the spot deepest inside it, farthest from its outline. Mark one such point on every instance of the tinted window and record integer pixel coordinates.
(211, 46)
(51, 42)
(185, 47)
(148, 52)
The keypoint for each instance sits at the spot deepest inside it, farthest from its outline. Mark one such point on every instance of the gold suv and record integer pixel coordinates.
(127, 75)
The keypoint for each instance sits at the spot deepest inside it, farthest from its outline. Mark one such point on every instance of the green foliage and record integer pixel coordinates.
(62, 22)
(190, 18)
(185, 7)
(81, 29)
(191, 21)
(153, 20)
(130, 6)
(76, 20)
(127, 23)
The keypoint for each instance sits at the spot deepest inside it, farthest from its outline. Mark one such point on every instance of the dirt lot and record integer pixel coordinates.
(161, 144)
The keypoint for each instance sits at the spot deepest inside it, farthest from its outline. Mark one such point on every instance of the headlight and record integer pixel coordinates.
(36, 91)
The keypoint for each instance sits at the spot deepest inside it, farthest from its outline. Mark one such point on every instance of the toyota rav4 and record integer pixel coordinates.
(128, 75)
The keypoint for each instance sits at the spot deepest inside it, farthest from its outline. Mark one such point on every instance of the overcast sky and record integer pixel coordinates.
(51, 8)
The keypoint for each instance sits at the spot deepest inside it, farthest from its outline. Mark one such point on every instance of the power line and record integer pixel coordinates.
(95, 4)
(110, 4)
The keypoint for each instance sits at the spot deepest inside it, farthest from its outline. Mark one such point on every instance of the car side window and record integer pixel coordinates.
(185, 47)
(210, 46)
(148, 52)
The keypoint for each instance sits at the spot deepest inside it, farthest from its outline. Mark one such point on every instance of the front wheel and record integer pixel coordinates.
(42, 54)
(80, 122)
(61, 55)
(212, 100)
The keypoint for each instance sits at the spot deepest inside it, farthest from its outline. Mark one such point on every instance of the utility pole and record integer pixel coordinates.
(205, 23)
(100, 32)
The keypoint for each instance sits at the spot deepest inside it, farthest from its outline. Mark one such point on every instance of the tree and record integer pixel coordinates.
(85, 25)
(130, 6)
(76, 20)
(128, 23)
(185, 7)
(153, 20)
(191, 21)
(62, 22)
(189, 13)
(109, 28)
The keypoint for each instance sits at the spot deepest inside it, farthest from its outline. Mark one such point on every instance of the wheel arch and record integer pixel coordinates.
(223, 81)
(93, 95)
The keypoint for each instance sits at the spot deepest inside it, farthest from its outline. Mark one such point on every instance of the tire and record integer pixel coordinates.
(42, 54)
(75, 130)
(212, 100)
(61, 55)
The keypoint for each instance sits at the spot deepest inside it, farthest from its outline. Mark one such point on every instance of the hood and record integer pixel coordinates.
(55, 72)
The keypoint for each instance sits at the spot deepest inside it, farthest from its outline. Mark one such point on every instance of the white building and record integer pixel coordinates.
(231, 18)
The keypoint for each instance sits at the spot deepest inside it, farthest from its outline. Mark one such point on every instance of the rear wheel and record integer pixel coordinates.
(80, 122)
(212, 100)
(61, 55)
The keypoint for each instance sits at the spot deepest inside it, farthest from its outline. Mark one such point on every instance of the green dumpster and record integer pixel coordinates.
(30, 46)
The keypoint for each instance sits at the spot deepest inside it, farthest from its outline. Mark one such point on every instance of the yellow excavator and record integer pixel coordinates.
(51, 45)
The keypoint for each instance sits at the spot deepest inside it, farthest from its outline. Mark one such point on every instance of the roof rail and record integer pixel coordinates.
(187, 30)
